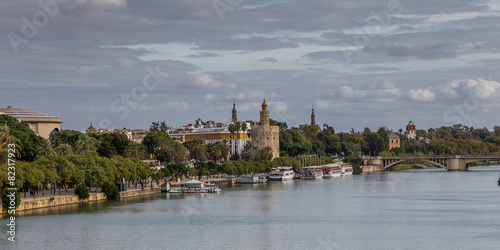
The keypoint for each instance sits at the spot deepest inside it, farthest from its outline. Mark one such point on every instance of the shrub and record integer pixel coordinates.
(82, 191)
(6, 199)
(111, 191)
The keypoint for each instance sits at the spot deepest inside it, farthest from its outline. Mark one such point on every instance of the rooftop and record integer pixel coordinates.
(28, 115)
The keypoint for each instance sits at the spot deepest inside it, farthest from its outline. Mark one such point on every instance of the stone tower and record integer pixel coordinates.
(265, 135)
(313, 117)
(411, 130)
(235, 117)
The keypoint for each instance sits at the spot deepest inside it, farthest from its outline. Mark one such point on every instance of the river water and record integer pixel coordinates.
(415, 209)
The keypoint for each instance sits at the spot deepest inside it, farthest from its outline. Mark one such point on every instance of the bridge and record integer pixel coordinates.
(449, 162)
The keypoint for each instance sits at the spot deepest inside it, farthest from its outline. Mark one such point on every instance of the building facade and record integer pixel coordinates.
(394, 141)
(42, 124)
(411, 130)
(265, 135)
(135, 135)
(212, 132)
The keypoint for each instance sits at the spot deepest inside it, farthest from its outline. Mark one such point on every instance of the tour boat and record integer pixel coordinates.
(332, 170)
(346, 169)
(251, 179)
(281, 174)
(311, 172)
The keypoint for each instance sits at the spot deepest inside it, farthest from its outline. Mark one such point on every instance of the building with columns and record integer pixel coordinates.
(265, 135)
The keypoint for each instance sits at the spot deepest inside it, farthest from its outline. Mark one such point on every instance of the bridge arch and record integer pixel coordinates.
(439, 163)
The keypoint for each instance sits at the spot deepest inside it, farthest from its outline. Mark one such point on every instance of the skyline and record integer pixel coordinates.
(361, 64)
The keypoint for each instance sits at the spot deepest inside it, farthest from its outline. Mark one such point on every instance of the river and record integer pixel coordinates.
(414, 209)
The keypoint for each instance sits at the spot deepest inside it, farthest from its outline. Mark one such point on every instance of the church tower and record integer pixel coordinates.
(235, 117)
(265, 135)
(313, 117)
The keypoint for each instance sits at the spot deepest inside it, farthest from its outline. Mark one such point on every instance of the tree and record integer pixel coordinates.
(266, 153)
(64, 149)
(159, 127)
(293, 143)
(197, 149)
(85, 144)
(82, 191)
(110, 190)
(135, 150)
(6, 200)
(177, 152)
(310, 130)
(66, 137)
(45, 149)
(355, 161)
(282, 125)
(153, 139)
(111, 144)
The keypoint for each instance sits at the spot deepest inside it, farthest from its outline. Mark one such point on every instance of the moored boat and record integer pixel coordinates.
(281, 174)
(311, 172)
(332, 170)
(346, 169)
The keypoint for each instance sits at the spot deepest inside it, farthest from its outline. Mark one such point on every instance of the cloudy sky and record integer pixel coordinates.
(126, 63)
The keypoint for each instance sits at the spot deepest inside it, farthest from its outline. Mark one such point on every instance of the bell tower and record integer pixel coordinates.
(235, 116)
(313, 116)
(264, 115)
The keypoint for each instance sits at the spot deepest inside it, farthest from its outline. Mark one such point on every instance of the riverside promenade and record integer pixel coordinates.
(47, 200)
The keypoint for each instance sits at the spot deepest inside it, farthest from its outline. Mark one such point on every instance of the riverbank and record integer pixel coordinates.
(28, 204)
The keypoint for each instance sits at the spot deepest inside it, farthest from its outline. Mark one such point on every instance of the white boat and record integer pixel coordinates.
(346, 169)
(249, 179)
(281, 174)
(311, 172)
(332, 170)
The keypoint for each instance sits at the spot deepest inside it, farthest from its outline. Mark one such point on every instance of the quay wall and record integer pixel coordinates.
(372, 168)
(133, 193)
(61, 200)
(58, 200)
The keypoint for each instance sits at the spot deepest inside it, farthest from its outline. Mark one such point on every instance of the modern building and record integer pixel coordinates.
(394, 141)
(264, 135)
(42, 124)
(411, 130)
(212, 132)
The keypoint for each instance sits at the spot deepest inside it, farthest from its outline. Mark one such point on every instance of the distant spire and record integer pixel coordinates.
(313, 116)
(235, 113)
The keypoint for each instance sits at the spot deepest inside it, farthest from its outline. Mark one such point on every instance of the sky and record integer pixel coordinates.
(363, 63)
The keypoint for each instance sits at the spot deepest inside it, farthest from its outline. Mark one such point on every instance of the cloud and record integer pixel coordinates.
(125, 64)
(270, 59)
(421, 95)
(251, 95)
(479, 89)
(431, 52)
(203, 81)
(177, 105)
(204, 54)
(376, 92)
(209, 97)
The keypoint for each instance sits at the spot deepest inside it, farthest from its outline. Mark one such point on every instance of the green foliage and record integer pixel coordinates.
(110, 190)
(66, 137)
(111, 144)
(355, 161)
(154, 139)
(293, 143)
(82, 191)
(6, 200)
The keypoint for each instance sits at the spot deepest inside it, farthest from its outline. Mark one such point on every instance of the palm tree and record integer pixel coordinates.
(161, 150)
(216, 152)
(177, 151)
(64, 149)
(6, 142)
(197, 149)
(134, 150)
(45, 149)
(266, 153)
(85, 144)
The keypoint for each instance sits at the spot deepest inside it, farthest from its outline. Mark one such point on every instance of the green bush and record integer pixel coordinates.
(82, 191)
(6, 199)
(111, 191)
